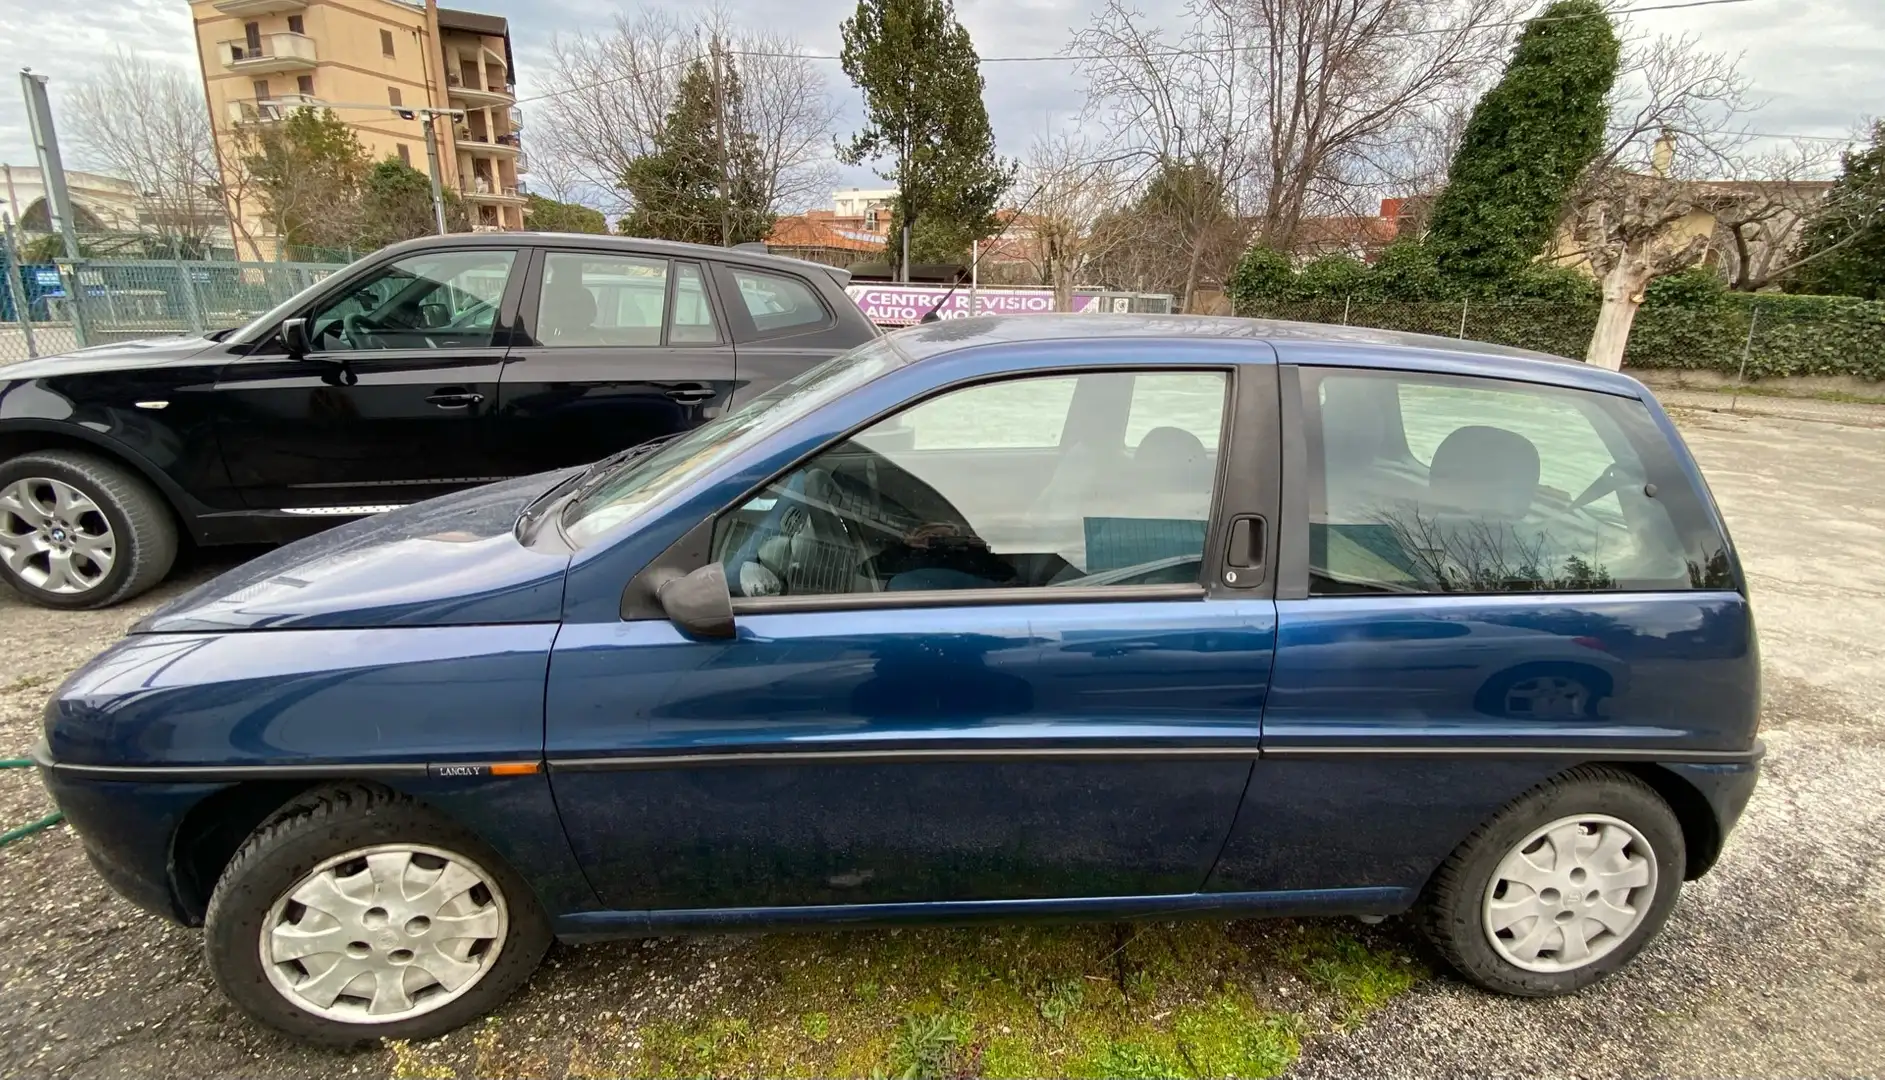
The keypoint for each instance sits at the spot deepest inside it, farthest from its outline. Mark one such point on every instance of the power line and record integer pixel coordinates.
(1149, 54)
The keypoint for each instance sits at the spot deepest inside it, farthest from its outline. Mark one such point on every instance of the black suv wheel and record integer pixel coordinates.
(80, 531)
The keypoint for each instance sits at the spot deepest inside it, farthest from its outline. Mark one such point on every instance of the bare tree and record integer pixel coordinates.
(1645, 208)
(1067, 188)
(1296, 106)
(609, 93)
(1762, 207)
(147, 123)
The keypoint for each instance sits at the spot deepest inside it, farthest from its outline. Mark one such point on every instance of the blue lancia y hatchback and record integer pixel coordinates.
(991, 618)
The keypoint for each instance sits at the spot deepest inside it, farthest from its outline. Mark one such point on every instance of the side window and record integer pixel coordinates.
(913, 503)
(778, 301)
(1440, 484)
(427, 301)
(692, 323)
(590, 299)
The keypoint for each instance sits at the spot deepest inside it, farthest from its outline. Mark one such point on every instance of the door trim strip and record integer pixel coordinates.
(343, 511)
(1238, 751)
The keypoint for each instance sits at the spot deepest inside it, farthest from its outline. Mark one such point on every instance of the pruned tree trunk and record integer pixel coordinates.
(1623, 293)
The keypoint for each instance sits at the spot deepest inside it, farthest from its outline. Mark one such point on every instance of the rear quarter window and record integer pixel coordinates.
(1440, 484)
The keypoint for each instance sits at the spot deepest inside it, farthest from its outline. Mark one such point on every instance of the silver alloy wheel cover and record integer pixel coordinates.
(364, 943)
(55, 537)
(1570, 893)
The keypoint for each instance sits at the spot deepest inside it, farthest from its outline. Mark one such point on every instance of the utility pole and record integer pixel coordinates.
(51, 169)
(432, 166)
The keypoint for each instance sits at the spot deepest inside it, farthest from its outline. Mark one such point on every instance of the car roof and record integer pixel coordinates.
(1294, 342)
(626, 245)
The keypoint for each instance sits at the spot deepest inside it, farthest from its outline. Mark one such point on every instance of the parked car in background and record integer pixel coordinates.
(1085, 616)
(431, 366)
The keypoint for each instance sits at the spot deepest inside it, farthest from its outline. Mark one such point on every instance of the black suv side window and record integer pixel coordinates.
(427, 301)
(778, 302)
(1439, 484)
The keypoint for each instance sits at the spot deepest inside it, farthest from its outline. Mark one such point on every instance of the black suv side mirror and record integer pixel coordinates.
(699, 603)
(294, 338)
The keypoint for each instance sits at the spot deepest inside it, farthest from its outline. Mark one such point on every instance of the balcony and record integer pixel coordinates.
(271, 53)
(505, 146)
(475, 97)
(484, 192)
(268, 110)
(248, 8)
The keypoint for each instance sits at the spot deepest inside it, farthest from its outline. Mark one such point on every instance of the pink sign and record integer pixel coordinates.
(900, 305)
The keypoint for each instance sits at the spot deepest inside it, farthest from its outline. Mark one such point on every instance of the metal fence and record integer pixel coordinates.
(52, 307)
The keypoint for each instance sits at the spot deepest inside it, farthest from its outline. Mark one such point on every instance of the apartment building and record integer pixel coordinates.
(365, 60)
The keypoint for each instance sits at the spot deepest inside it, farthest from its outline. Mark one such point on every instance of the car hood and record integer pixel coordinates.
(117, 356)
(451, 561)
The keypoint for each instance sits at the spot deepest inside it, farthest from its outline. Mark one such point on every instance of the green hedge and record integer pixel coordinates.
(1793, 335)
(1688, 321)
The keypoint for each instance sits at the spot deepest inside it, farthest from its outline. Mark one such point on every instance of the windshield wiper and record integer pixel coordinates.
(592, 477)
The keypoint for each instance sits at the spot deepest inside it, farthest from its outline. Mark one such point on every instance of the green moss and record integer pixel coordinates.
(1362, 978)
(1192, 999)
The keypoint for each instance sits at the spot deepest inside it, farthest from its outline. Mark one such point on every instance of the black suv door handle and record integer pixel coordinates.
(454, 399)
(690, 395)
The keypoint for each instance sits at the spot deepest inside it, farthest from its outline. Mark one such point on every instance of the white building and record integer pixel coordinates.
(861, 202)
(99, 203)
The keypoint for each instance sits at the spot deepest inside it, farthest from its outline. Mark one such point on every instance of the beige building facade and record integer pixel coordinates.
(366, 60)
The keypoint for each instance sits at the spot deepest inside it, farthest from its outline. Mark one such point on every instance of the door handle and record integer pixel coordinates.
(690, 396)
(1243, 552)
(454, 400)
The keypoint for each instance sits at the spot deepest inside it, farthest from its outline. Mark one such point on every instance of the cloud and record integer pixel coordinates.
(1818, 64)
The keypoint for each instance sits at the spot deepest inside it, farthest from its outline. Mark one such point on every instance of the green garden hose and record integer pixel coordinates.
(30, 827)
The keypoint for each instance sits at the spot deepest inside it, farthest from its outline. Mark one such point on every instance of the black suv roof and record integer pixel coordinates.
(625, 244)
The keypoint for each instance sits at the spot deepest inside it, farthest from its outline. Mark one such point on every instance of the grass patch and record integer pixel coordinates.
(1361, 978)
(1188, 999)
(25, 682)
(1844, 397)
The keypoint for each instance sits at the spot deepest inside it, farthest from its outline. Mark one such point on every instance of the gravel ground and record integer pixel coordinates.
(1770, 966)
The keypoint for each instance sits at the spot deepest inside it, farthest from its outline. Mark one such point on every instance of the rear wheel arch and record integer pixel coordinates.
(1701, 833)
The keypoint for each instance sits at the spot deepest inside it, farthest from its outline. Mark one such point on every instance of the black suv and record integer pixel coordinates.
(433, 365)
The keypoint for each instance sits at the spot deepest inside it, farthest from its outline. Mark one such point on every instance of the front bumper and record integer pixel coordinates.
(127, 829)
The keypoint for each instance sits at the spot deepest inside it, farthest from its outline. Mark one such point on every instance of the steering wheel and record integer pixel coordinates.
(359, 335)
(803, 539)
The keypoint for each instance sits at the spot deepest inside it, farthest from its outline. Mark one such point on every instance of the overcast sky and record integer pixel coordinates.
(1819, 64)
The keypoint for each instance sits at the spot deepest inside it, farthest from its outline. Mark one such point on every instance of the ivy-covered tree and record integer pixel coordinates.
(396, 204)
(1530, 139)
(549, 215)
(1842, 249)
(702, 183)
(924, 116)
(307, 171)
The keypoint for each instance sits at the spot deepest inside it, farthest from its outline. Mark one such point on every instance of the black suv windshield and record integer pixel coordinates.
(637, 482)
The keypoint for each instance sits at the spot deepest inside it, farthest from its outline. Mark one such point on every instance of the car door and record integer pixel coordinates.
(1496, 580)
(782, 323)
(937, 697)
(394, 401)
(618, 348)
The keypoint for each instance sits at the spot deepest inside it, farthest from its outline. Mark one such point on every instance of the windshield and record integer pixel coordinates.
(638, 482)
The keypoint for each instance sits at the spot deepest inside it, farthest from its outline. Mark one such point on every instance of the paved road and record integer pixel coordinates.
(1773, 965)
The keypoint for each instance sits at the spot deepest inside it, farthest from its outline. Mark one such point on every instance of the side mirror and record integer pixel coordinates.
(294, 338)
(699, 603)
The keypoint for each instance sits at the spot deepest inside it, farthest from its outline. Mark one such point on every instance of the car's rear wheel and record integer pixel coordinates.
(80, 531)
(1561, 887)
(356, 914)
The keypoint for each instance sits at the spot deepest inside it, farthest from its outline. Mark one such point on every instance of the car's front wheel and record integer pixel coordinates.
(356, 914)
(1561, 887)
(81, 531)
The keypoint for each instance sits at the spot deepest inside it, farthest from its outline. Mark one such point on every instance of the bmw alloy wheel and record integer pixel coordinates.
(1570, 893)
(54, 536)
(384, 933)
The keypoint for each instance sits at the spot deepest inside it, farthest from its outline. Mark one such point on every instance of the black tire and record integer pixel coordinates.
(317, 826)
(141, 524)
(1452, 914)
